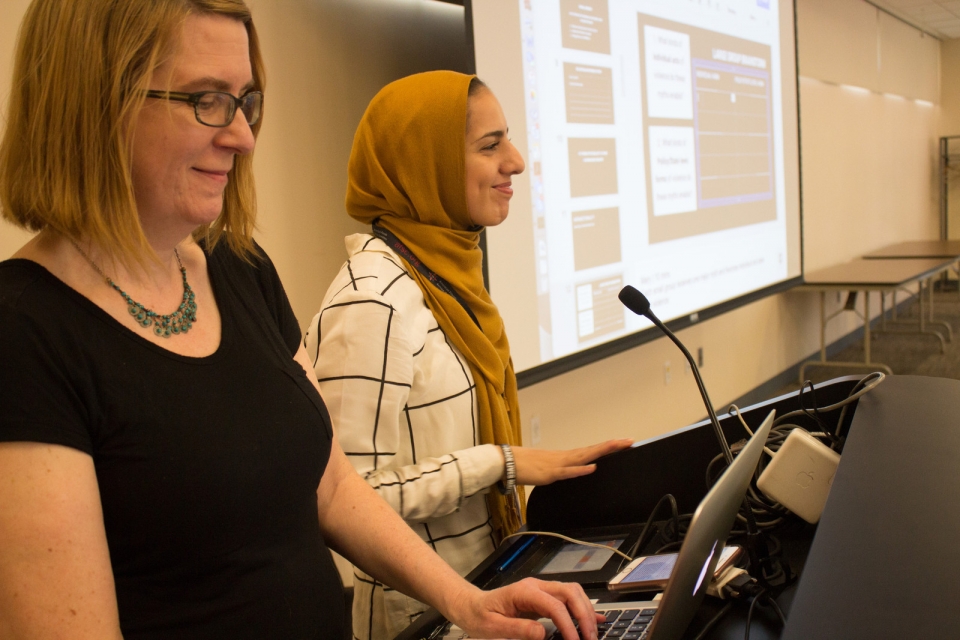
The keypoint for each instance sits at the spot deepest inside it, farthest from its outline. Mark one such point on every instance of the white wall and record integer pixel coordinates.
(950, 88)
(11, 12)
(868, 179)
(325, 60)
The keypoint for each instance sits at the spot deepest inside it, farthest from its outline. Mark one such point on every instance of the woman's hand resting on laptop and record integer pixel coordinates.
(511, 611)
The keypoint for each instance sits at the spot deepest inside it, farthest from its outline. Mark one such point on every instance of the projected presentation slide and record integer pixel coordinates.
(589, 95)
(661, 146)
(709, 124)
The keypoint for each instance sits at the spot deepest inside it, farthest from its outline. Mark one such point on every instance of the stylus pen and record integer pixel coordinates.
(513, 556)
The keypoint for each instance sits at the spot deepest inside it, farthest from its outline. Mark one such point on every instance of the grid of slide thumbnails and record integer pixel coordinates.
(708, 142)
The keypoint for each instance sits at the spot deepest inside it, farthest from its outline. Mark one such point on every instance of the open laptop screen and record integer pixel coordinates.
(706, 537)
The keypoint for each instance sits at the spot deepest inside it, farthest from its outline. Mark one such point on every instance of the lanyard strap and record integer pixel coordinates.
(403, 251)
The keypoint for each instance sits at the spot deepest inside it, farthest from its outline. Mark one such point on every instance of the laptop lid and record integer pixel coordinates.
(705, 539)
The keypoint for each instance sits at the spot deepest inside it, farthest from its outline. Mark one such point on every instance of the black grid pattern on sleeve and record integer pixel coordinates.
(404, 431)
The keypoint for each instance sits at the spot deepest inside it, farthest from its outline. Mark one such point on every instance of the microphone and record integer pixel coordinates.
(756, 544)
(637, 302)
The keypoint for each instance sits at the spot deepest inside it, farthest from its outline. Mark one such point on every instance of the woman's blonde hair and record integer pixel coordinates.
(80, 71)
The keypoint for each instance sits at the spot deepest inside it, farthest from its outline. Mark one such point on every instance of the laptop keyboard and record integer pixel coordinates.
(629, 624)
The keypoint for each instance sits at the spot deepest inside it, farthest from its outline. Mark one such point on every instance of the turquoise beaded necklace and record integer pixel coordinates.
(171, 324)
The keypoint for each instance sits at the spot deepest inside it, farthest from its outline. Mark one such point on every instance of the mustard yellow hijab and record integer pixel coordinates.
(406, 172)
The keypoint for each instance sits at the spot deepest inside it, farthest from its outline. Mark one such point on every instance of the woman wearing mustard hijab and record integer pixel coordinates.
(409, 349)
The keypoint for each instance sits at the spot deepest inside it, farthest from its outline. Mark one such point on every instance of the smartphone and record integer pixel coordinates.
(651, 573)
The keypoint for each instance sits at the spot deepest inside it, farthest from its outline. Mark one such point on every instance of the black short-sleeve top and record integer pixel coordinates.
(207, 467)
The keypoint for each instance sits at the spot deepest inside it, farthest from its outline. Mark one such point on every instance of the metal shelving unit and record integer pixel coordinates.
(949, 161)
(949, 164)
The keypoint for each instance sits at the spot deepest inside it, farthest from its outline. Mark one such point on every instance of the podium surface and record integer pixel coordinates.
(885, 558)
(885, 561)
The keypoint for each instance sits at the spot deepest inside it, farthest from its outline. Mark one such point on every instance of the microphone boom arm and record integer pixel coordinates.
(727, 454)
(637, 302)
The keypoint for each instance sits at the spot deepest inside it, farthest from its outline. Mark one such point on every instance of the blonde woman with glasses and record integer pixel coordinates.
(167, 468)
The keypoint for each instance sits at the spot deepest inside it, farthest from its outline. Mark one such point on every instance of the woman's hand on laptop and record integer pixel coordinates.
(511, 611)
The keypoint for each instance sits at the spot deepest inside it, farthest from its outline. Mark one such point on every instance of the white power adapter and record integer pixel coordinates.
(716, 586)
(800, 475)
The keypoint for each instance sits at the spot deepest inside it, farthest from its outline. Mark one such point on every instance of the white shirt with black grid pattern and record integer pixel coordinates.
(403, 405)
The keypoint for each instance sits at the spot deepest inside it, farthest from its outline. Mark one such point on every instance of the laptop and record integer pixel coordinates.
(667, 617)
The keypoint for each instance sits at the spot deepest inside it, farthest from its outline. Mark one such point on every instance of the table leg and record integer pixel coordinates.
(866, 326)
(949, 329)
(883, 310)
(922, 324)
(823, 362)
(929, 299)
(924, 300)
(823, 327)
(823, 338)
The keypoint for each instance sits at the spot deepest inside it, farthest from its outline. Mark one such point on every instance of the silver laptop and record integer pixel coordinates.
(669, 616)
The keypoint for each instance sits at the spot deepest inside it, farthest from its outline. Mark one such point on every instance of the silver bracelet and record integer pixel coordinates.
(511, 471)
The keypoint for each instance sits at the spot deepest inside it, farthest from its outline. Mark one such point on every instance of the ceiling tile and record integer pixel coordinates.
(935, 16)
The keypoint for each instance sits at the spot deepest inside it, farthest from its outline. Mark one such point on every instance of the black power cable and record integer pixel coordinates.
(753, 603)
(762, 598)
(668, 498)
(714, 620)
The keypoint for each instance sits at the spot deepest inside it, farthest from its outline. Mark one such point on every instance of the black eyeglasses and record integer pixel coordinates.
(216, 108)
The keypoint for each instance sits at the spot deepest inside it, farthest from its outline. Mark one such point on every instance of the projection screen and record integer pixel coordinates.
(661, 146)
